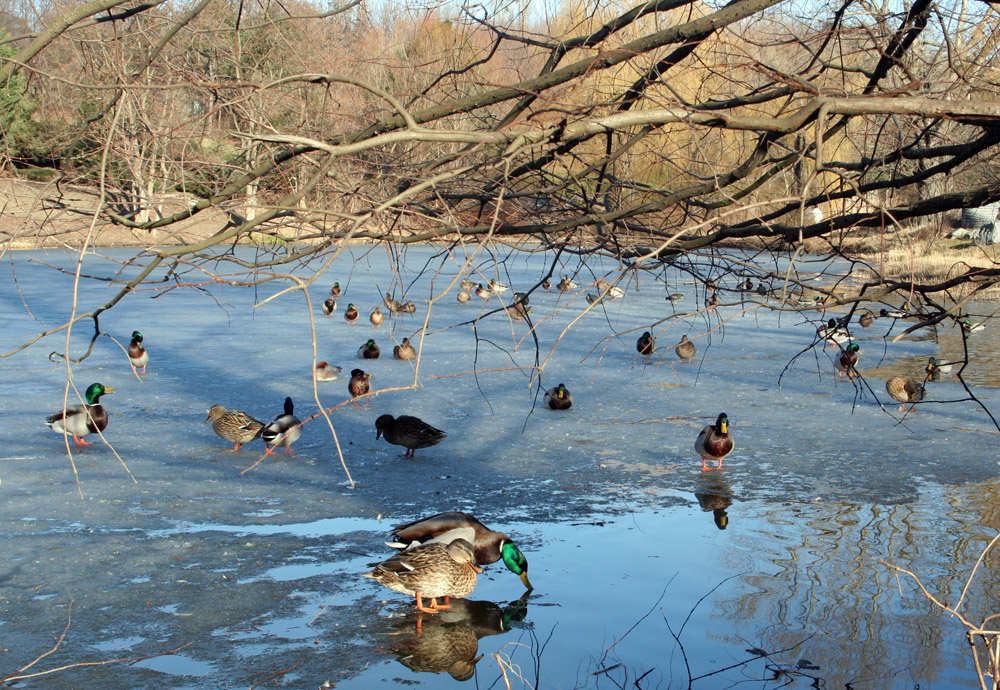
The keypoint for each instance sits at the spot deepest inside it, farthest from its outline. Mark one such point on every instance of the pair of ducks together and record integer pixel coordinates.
(440, 557)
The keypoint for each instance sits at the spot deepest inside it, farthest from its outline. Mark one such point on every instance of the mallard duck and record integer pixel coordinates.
(747, 286)
(905, 390)
(497, 288)
(335, 290)
(594, 299)
(614, 292)
(833, 333)
(761, 290)
(866, 319)
(468, 284)
(463, 296)
(440, 644)
(559, 398)
(646, 344)
(489, 546)
(848, 360)
(329, 306)
(283, 431)
(408, 308)
(404, 350)
(137, 354)
(969, 327)
(430, 570)
(714, 442)
(359, 385)
(935, 370)
(327, 372)
(685, 349)
(234, 426)
(376, 318)
(409, 432)
(711, 302)
(369, 350)
(80, 420)
(892, 313)
(483, 293)
(674, 297)
(518, 309)
(546, 285)
(391, 304)
(351, 315)
(565, 285)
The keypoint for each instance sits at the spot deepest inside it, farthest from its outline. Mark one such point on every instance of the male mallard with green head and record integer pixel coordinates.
(430, 570)
(969, 327)
(488, 545)
(483, 293)
(369, 350)
(329, 306)
(234, 426)
(905, 390)
(404, 350)
(685, 349)
(137, 354)
(847, 360)
(335, 290)
(714, 442)
(283, 431)
(351, 315)
(359, 386)
(409, 432)
(559, 398)
(645, 344)
(935, 369)
(80, 420)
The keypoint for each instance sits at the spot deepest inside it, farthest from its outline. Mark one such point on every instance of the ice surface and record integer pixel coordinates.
(257, 573)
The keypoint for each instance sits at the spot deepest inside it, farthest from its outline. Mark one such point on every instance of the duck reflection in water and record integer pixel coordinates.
(714, 494)
(449, 640)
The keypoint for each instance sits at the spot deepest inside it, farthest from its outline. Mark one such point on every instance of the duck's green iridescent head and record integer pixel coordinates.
(95, 391)
(137, 336)
(561, 391)
(854, 347)
(515, 562)
(722, 424)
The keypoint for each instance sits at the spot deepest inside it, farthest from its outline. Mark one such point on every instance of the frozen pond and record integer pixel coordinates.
(198, 576)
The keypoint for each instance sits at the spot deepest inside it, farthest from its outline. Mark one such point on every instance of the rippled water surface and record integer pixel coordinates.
(647, 571)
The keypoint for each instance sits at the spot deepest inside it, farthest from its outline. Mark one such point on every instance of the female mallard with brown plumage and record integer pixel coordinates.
(714, 442)
(369, 350)
(234, 426)
(430, 570)
(488, 545)
(137, 354)
(358, 386)
(376, 318)
(393, 305)
(404, 350)
(283, 431)
(80, 420)
(847, 360)
(866, 319)
(905, 390)
(463, 296)
(559, 398)
(685, 349)
(409, 432)
(645, 344)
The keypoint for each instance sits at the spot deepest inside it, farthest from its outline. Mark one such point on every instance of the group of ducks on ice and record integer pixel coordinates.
(440, 556)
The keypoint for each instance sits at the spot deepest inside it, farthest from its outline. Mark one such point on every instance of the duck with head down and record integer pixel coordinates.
(409, 432)
(489, 545)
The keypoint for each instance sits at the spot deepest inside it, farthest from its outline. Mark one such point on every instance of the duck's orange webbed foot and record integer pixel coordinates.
(421, 607)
